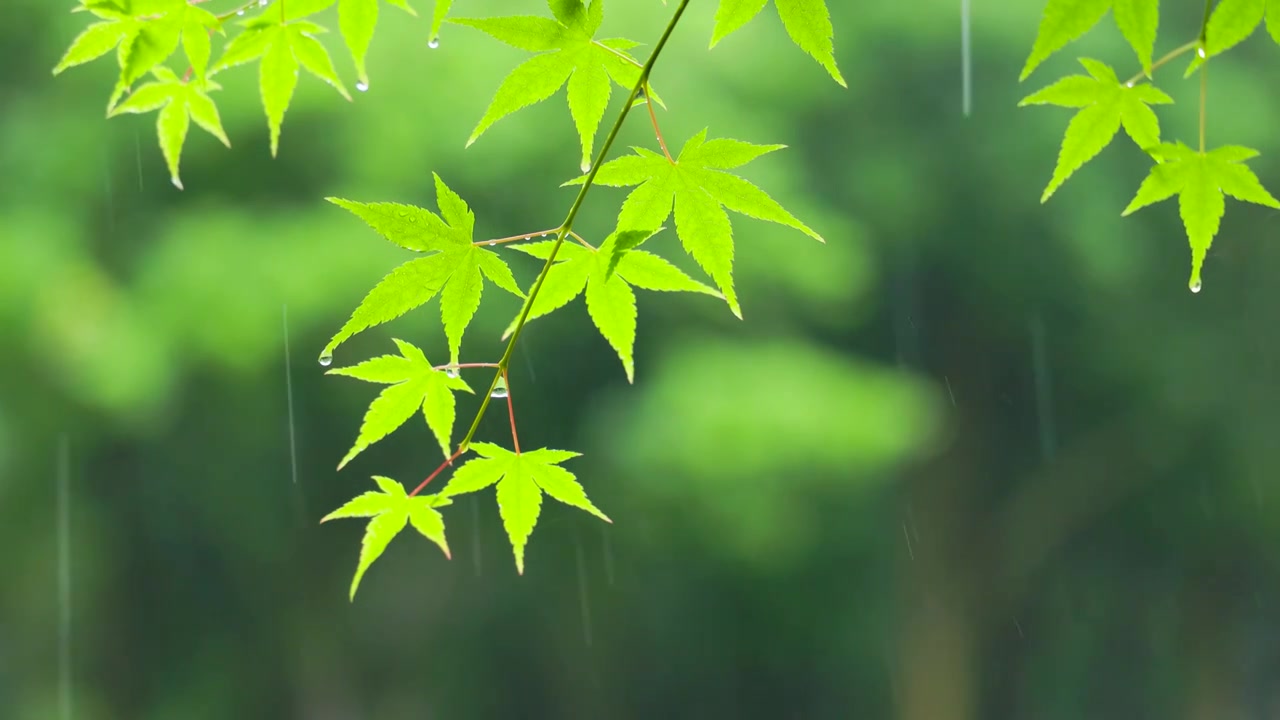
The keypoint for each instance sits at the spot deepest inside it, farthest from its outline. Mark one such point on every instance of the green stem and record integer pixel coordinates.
(567, 226)
(1204, 70)
(1168, 57)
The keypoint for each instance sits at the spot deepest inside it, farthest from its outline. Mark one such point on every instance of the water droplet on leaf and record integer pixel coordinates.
(433, 43)
(362, 86)
(1195, 285)
(263, 3)
(492, 243)
(452, 372)
(500, 389)
(239, 12)
(1200, 51)
(326, 360)
(586, 166)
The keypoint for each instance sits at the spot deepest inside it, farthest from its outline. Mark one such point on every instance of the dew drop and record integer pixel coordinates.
(1195, 285)
(1200, 51)
(362, 86)
(239, 12)
(492, 243)
(500, 389)
(176, 182)
(433, 43)
(1129, 84)
(452, 372)
(586, 166)
(326, 360)
(263, 3)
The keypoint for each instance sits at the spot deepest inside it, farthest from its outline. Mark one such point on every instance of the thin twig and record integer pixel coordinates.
(585, 244)
(653, 116)
(517, 238)
(511, 412)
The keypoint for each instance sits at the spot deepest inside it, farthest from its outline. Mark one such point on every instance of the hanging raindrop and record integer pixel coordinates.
(452, 372)
(586, 166)
(326, 360)
(1200, 51)
(500, 389)
(362, 86)
(433, 43)
(1195, 285)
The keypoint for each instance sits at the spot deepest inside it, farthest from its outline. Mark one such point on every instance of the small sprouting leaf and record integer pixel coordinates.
(1138, 21)
(178, 103)
(391, 510)
(414, 385)
(808, 23)
(282, 49)
(567, 53)
(453, 267)
(1106, 105)
(1200, 180)
(522, 478)
(1063, 22)
(700, 191)
(610, 301)
(356, 20)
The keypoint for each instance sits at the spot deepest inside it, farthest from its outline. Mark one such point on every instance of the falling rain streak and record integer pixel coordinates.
(1044, 390)
(607, 546)
(475, 533)
(288, 384)
(966, 61)
(582, 589)
(63, 525)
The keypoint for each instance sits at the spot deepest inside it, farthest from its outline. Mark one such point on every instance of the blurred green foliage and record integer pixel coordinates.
(850, 504)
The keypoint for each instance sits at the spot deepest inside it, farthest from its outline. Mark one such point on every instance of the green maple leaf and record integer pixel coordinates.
(607, 275)
(696, 184)
(1065, 21)
(414, 385)
(391, 510)
(521, 480)
(567, 52)
(453, 267)
(144, 33)
(356, 20)
(179, 103)
(283, 48)
(1106, 105)
(1200, 180)
(808, 22)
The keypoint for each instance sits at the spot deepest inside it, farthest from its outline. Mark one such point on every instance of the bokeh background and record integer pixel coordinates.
(974, 458)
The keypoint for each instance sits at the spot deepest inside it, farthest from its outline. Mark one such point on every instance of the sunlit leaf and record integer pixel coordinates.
(391, 511)
(1106, 105)
(699, 190)
(569, 53)
(807, 22)
(610, 300)
(453, 268)
(413, 385)
(178, 103)
(521, 478)
(1200, 180)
